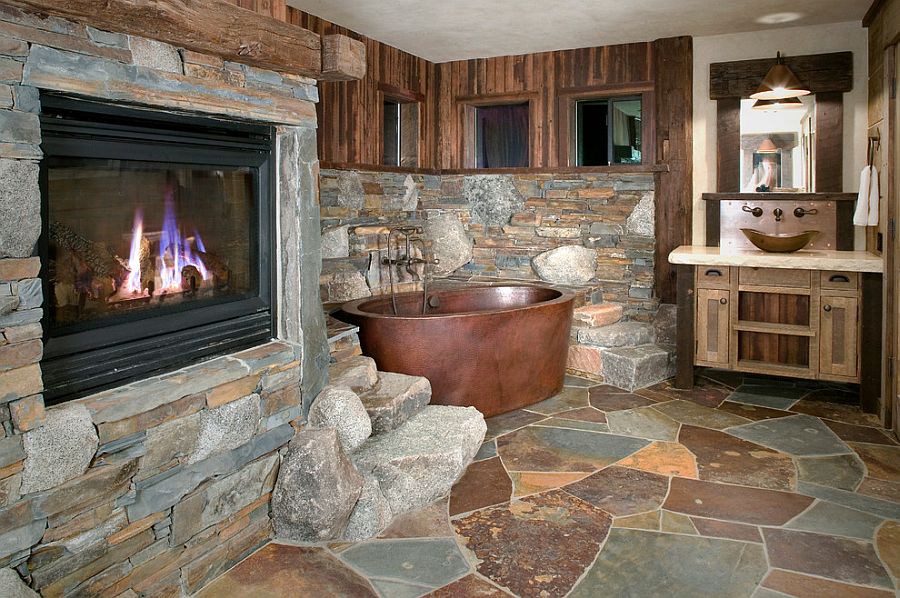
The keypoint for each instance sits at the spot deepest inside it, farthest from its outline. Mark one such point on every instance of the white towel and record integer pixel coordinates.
(867, 201)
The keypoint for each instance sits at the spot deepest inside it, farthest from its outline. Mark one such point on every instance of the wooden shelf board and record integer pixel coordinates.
(773, 328)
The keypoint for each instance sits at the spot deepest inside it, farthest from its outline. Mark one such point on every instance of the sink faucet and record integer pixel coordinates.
(779, 214)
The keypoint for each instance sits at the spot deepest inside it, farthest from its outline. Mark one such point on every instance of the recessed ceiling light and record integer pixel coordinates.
(779, 17)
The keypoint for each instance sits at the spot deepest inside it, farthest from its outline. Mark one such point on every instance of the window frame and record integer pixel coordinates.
(468, 107)
(389, 93)
(568, 122)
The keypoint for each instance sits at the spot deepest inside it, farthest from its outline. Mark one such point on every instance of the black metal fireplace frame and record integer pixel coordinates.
(88, 357)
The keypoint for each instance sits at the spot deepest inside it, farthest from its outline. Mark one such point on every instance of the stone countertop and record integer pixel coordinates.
(849, 261)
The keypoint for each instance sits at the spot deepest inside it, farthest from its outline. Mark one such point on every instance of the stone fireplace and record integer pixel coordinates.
(161, 332)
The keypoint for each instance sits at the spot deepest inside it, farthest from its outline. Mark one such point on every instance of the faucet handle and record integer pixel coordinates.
(757, 211)
(779, 214)
(800, 212)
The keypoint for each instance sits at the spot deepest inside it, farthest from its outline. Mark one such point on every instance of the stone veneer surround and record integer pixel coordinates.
(156, 486)
(511, 219)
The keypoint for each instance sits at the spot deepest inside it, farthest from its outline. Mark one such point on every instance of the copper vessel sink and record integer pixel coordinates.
(779, 243)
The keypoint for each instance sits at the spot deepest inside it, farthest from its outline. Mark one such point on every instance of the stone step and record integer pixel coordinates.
(602, 314)
(358, 373)
(420, 461)
(620, 334)
(586, 361)
(631, 368)
(395, 399)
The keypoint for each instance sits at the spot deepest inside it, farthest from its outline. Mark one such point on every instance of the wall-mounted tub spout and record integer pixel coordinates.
(411, 236)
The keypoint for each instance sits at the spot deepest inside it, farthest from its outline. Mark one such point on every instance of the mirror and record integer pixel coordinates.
(778, 148)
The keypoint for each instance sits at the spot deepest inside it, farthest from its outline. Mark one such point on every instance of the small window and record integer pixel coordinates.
(501, 136)
(608, 131)
(401, 134)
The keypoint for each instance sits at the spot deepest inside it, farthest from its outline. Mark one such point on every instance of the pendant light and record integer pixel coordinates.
(780, 82)
(776, 105)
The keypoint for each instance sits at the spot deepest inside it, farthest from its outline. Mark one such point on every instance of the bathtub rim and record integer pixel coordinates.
(352, 307)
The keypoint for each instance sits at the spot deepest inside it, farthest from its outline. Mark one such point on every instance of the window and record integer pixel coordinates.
(608, 131)
(401, 133)
(501, 136)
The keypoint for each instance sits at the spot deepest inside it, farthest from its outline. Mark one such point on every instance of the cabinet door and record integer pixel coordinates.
(838, 340)
(712, 327)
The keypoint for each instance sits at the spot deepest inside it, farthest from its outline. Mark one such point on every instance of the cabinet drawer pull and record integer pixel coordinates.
(713, 273)
(838, 278)
(827, 307)
(723, 301)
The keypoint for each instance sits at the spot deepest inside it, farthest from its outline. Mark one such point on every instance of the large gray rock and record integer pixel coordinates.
(493, 198)
(638, 367)
(358, 373)
(59, 450)
(335, 242)
(665, 323)
(317, 488)
(347, 285)
(350, 190)
(570, 264)
(420, 461)
(371, 514)
(12, 586)
(397, 398)
(450, 243)
(620, 334)
(227, 427)
(20, 208)
(341, 409)
(641, 222)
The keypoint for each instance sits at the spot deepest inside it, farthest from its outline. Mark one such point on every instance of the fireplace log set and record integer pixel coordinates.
(89, 276)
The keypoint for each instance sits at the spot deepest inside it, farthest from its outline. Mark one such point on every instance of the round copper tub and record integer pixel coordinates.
(493, 348)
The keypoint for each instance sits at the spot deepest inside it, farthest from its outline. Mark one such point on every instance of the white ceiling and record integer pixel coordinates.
(444, 30)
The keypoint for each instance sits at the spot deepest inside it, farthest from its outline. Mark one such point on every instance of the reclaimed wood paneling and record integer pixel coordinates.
(829, 141)
(728, 145)
(824, 73)
(540, 79)
(673, 126)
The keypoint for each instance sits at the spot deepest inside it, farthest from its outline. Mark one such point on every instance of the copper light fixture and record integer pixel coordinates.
(767, 147)
(774, 105)
(780, 82)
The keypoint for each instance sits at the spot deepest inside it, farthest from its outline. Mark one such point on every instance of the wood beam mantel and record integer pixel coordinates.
(209, 26)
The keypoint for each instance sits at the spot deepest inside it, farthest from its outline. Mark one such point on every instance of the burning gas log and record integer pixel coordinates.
(91, 268)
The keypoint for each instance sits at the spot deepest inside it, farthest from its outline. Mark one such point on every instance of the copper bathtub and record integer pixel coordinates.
(494, 348)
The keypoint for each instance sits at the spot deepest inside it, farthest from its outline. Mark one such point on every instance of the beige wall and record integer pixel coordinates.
(836, 37)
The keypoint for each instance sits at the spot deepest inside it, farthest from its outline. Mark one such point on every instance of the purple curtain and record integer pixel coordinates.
(504, 136)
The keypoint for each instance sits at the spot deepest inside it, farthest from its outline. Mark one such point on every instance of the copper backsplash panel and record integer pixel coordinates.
(733, 219)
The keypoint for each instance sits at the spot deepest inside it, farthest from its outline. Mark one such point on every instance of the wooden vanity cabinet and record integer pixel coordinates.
(799, 323)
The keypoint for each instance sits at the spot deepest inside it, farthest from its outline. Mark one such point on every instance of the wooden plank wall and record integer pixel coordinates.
(538, 78)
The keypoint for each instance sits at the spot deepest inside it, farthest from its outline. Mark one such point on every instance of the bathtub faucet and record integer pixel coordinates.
(411, 238)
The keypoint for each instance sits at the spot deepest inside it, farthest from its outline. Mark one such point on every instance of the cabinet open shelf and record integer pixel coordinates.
(774, 328)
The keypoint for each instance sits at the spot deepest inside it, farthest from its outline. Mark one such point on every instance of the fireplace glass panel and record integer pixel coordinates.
(133, 237)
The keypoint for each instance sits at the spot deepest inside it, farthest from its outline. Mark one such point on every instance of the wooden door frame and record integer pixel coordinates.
(891, 380)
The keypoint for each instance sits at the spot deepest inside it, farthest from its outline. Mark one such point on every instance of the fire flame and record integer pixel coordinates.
(175, 253)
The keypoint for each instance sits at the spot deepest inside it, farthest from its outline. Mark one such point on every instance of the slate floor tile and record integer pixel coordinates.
(649, 521)
(752, 412)
(773, 397)
(508, 422)
(484, 484)
(692, 414)
(569, 398)
(842, 559)
(726, 529)
(848, 414)
(572, 424)
(881, 489)
(724, 458)
(429, 563)
(540, 544)
(838, 471)
(487, 450)
(799, 435)
(741, 504)
(532, 482)
(643, 422)
(283, 570)
(860, 502)
(563, 450)
(829, 518)
(705, 392)
(585, 414)
(882, 462)
(804, 586)
(607, 402)
(579, 382)
(664, 458)
(888, 543)
(645, 563)
(470, 586)
(852, 433)
(621, 491)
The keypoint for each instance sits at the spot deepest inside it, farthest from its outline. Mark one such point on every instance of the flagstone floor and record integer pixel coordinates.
(747, 486)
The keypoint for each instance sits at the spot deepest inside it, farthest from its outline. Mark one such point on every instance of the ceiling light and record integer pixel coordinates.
(775, 105)
(776, 18)
(779, 83)
(767, 147)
